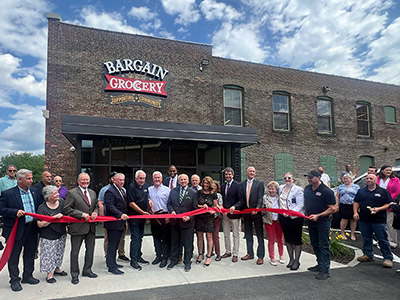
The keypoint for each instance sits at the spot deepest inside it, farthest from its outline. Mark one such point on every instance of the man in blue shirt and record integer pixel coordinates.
(320, 203)
(370, 205)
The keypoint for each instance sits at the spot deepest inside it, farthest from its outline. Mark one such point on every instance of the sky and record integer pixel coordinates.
(351, 38)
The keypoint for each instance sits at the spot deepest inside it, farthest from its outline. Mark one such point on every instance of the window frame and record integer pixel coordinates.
(288, 113)
(331, 116)
(369, 120)
(240, 109)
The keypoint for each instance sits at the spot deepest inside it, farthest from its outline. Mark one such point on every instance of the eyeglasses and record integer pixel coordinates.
(287, 178)
(57, 180)
(12, 170)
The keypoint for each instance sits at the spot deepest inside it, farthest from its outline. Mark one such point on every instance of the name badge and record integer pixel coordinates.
(378, 195)
(318, 193)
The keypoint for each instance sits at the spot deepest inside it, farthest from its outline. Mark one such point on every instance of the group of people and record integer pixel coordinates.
(174, 237)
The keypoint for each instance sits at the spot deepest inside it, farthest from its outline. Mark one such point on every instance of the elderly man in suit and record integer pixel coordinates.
(254, 191)
(81, 203)
(232, 195)
(180, 200)
(115, 200)
(14, 203)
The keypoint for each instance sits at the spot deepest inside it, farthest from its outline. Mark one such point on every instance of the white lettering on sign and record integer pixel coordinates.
(127, 65)
(135, 85)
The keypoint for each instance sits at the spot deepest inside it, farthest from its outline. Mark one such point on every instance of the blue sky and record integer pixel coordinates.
(351, 38)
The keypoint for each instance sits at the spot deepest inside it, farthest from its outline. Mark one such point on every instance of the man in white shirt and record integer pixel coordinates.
(324, 177)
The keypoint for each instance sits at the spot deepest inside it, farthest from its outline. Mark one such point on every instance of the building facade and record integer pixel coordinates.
(124, 102)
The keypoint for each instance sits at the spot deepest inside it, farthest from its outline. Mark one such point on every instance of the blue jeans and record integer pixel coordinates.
(137, 231)
(319, 237)
(380, 230)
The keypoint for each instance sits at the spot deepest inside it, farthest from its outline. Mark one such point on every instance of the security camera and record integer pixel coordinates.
(72, 149)
(326, 89)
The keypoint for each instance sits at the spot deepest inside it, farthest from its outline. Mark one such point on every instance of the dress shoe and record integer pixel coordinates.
(234, 258)
(314, 269)
(123, 258)
(171, 265)
(260, 261)
(188, 266)
(135, 265)
(89, 274)
(119, 266)
(116, 272)
(51, 280)
(163, 263)
(156, 261)
(75, 280)
(62, 273)
(322, 276)
(247, 257)
(290, 264)
(295, 266)
(143, 262)
(225, 255)
(30, 280)
(16, 287)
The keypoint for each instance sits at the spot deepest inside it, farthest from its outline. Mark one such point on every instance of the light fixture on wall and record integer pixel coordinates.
(204, 62)
(326, 88)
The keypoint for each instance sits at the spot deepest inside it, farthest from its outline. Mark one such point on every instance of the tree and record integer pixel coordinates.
(24, 160)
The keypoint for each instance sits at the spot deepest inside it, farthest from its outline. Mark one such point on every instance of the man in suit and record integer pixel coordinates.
(172, 180)
(254, 191)
(139, 204)
(232, 195)
(180, 200)
(81, 203)
(14, 203)
(115, 200)
(46, 180)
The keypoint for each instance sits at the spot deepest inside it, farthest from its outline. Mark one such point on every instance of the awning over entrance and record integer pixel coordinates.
(99, 126)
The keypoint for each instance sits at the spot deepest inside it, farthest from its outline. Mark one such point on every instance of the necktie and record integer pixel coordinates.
(227, 188)
(122, 194)
(86, 197)
(171, 184)
(248, 193)
(181, 195)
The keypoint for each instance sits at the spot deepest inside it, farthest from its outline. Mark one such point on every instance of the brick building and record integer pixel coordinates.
(121, 102)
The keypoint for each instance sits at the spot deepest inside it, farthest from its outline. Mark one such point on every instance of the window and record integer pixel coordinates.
(365, 162)
(324, 115)
(284, 163)
(390, 114)
(281, 109)
(363, 119)
(233, 106)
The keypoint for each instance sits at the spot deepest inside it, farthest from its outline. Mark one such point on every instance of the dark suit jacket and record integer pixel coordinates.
(10, 203)
(116, 206)
(167, 180)
(75, 205)
(235, 197)
(189, 203)
(256, 194)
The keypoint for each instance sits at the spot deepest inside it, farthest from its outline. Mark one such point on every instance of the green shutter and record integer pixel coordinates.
(397, 162)
(243, 164)
(390, 114)
(365, 162)
(328, 162)
(283, 163)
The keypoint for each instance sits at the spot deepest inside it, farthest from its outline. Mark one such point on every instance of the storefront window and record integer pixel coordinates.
(210, 155)
(94, 151)
(155, 153)
(125, 152)
(183, 155)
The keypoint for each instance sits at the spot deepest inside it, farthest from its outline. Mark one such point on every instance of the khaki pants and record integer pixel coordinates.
(227, 224)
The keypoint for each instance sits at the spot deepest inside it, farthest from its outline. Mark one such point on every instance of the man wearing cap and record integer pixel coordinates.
(121, 245)
(320, 203)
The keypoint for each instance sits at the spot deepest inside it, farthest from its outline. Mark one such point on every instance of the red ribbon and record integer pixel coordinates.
(68, 219)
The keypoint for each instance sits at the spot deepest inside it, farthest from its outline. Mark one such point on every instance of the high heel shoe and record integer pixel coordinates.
(198, 259)
(206, 265)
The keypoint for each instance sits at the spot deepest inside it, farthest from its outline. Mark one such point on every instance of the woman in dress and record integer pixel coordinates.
(387, 180)
(272, 226)
(52, 235)
(291, 197)
(345, 197)
(206, 197)
(217, 223)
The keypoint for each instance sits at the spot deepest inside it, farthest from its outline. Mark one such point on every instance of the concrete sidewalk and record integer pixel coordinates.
(149, 277)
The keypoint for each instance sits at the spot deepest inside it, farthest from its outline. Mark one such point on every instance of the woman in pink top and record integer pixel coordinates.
(387, 180)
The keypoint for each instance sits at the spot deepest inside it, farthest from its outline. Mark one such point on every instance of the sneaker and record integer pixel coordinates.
(123, 258)
(313, 269)
(322, 276)
(365, 258)
(171, 265)
(143, 262)
(188, 267)
(387, 263)
(272, 262)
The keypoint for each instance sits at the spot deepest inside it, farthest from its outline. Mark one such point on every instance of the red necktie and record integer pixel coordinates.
(227, 189)
(171, 184)
(87, 199)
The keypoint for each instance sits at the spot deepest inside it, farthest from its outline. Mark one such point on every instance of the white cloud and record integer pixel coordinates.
(239, 42)
(103, 20)
(24, 84)
(142, 13)
(185, 9)
(213, 10)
